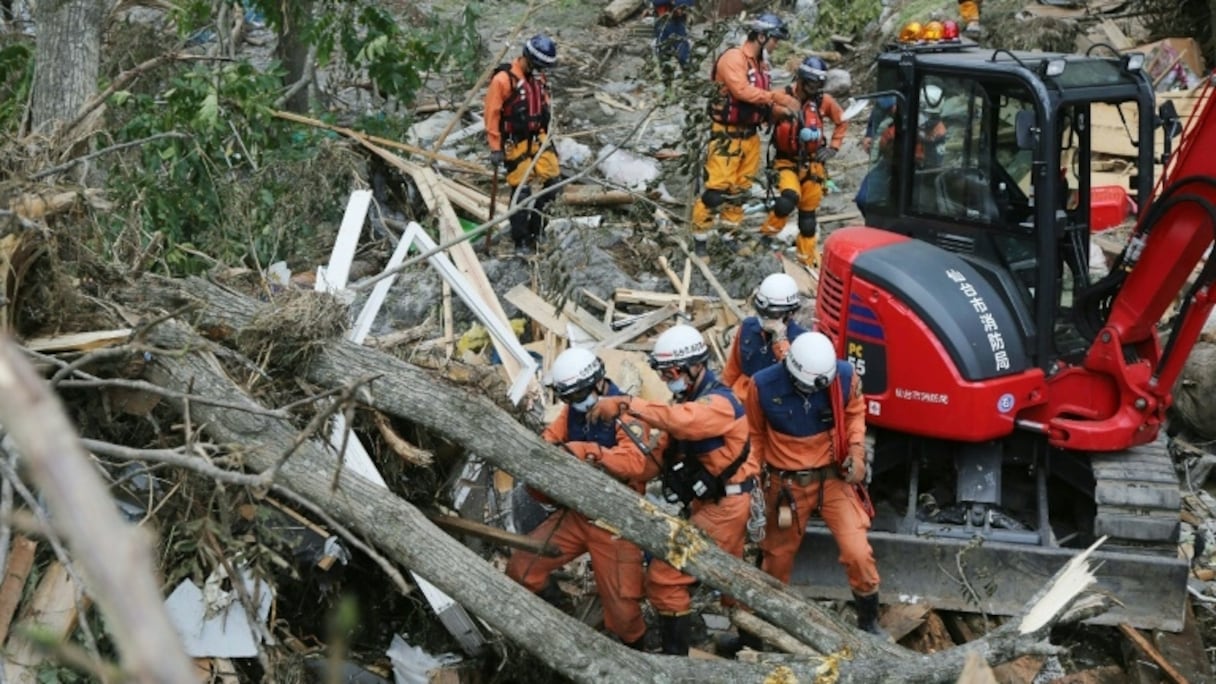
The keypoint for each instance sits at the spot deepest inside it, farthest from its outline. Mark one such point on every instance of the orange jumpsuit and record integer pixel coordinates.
(794, 435)
(733, 156)
(715, 420)
(616, 562)
(752, 351)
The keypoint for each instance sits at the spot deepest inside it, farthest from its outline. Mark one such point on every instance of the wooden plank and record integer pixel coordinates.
(52, 609)
(624, 295)
(1109, 135)
(715, 284)
(452, 523)
(532, 306)
(1185, 649)
(1146, 647)
(85, 341)
(638, 328)
(976, 671)
(20, 561)
(901, 619)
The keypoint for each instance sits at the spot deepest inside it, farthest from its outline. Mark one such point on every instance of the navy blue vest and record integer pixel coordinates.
(580, 429)
(755, 353)
(790, 412)
(710, 385)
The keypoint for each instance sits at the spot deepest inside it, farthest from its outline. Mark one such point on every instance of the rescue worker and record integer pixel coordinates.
(671, 30)
(708, 465)
(875, 186)
(743, 104)
(579, 380)
(517, 114)
(931, 131)
(763, 339)
(813, 446)
(969, 12)
(802, 152)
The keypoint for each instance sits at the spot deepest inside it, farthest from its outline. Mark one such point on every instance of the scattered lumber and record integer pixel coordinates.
(80, 342)
(502, 441)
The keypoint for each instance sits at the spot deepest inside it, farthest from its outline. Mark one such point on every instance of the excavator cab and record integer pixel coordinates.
(1014, 402)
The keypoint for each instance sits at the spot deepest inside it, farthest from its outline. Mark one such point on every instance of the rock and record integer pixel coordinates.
(625, 168)
(428, 130)
(839, 82)
(573, 154)
(1194, 411)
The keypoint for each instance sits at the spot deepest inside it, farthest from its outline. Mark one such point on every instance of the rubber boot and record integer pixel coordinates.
(675, 632)
(554, 596)
(806, 251)
(700, 245)
(867, 614)
(638, 644)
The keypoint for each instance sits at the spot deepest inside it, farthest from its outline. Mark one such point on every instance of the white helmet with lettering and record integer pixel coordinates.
(574, 371)
(679, 346)
(811, 361)
(777, 296)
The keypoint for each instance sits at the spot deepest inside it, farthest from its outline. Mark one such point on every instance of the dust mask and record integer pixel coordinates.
(586, 404)
(677, 386)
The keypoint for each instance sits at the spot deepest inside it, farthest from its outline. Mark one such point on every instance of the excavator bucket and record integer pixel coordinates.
(995, 578)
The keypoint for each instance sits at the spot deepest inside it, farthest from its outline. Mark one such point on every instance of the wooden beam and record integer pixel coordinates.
(84, 341)
(638, 328)
(1146, 647)
(523, 542)
(727, 300)
(52, 609)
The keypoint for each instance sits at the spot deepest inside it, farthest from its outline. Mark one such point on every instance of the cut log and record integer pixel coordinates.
(20, 561)
(597, 198)
(619, 10)
(52, 609)
(498, 438)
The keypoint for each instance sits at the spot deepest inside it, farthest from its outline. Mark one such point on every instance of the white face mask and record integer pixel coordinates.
(586, 404)
(677, 386)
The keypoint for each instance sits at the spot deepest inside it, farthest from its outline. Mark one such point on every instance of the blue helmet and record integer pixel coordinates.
(769, 25)
(885, 102)
(813, 69)
(541, 50)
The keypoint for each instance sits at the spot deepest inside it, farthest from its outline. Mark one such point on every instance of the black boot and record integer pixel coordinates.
(675, 632)
(638, 644)
(554, 596)
(729, 644)
(867, 614)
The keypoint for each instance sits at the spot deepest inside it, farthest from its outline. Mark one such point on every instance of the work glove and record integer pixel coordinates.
(775, 327)
(789, 102)
(824, 153)
(855, 464)
(496, 158)
(609, 409)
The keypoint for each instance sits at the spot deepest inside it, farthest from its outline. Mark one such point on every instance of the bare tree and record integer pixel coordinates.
(68, 57)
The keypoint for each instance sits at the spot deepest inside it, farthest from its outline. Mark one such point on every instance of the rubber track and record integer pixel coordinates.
(1137, 495)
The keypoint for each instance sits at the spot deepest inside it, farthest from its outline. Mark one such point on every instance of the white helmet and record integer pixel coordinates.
(811, 361)
(931, 99)
(575, 370)
(777, 296)
(679, 346)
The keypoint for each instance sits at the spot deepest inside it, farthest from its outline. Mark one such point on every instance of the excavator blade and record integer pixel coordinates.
(1150, 590)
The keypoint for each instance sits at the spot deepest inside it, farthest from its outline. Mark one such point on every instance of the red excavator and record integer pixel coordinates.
(1015, 402)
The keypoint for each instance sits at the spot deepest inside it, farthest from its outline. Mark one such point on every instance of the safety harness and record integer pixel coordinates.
(525, 113)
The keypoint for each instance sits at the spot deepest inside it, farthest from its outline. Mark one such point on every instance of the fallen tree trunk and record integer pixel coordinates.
(408, 537)
(420, 397)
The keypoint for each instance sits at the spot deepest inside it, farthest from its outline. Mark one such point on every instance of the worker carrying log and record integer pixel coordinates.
(807, 419)
(801, 150)
(743, 103)
(708, 465)
(578, 379)
(517, 115)
(763, 339)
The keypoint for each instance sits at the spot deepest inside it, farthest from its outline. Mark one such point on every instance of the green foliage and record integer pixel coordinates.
(16, 74)
(844, 17)
(367, 36)
(218, 188)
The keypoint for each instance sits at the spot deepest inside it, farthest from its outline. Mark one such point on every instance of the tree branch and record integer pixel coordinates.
(115, 558)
